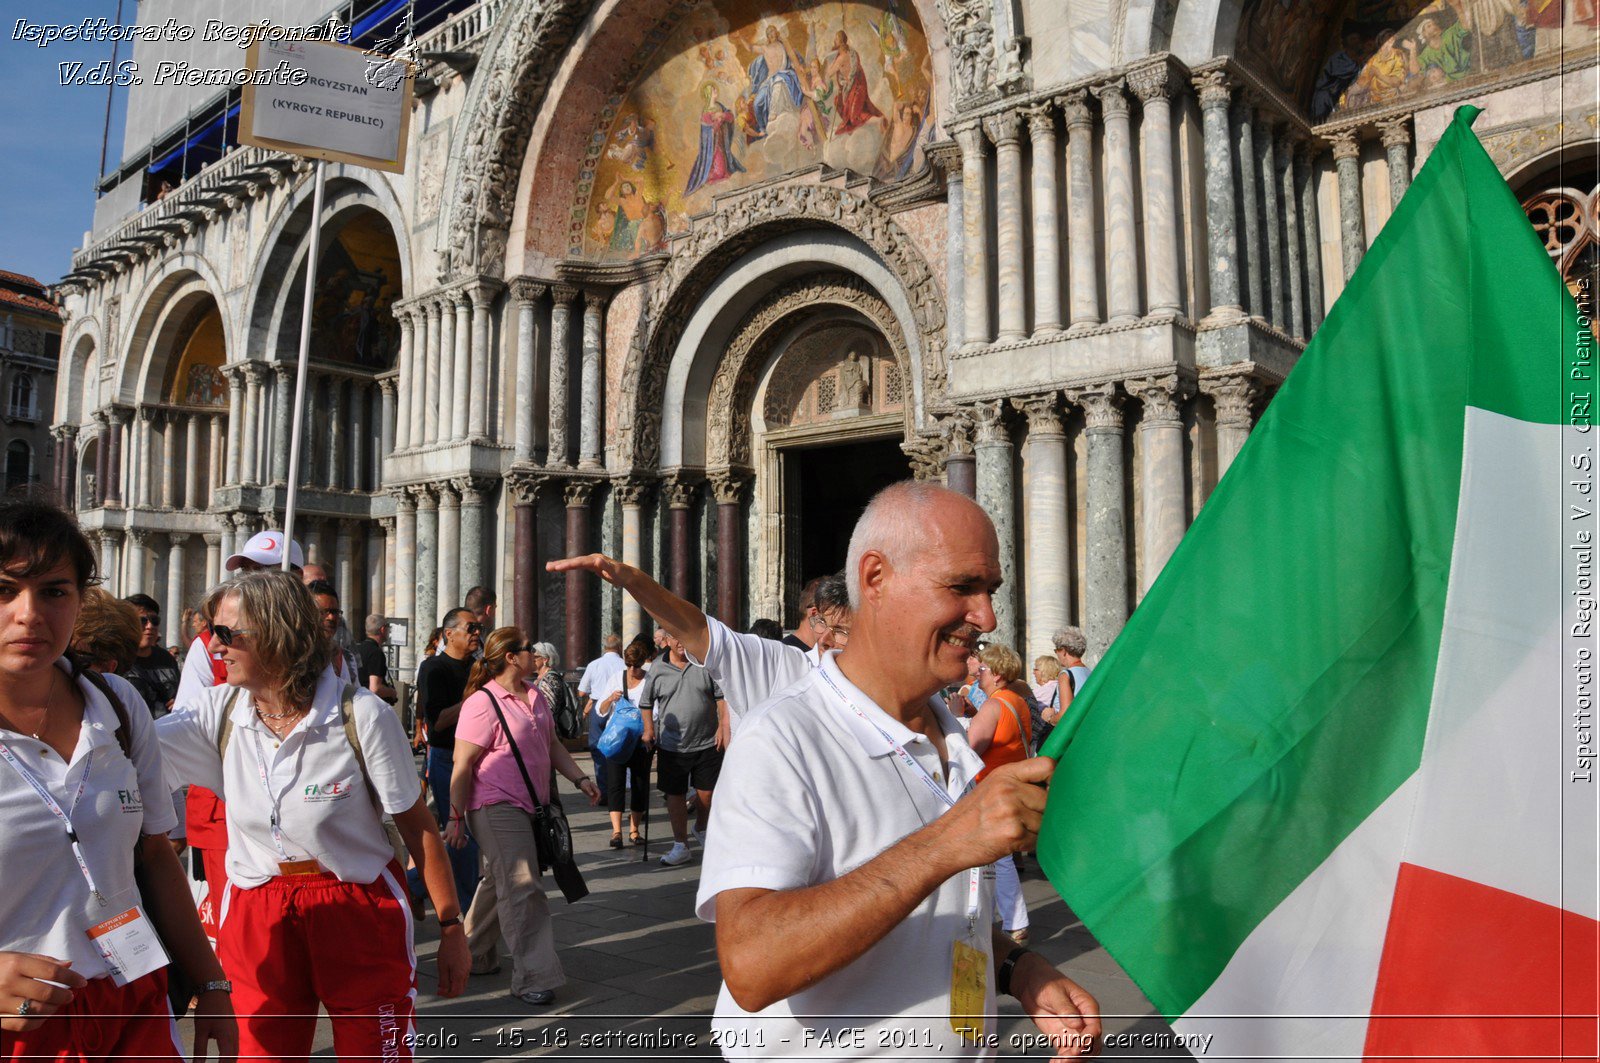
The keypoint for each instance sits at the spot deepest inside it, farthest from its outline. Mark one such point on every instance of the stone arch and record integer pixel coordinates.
(74, 397)
(763, 229)
(183, 280)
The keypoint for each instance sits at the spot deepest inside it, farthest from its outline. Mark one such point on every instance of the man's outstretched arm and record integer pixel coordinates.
(682, 620)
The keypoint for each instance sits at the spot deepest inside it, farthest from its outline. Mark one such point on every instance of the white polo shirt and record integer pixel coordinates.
(46, 906)
(810, 792)
(598, 673)
(324, 810)
(749, 669)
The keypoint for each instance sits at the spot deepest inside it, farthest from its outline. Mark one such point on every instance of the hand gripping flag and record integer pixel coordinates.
(1332, 793)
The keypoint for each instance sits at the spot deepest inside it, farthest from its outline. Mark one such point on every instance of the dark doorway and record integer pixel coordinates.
(835, 484)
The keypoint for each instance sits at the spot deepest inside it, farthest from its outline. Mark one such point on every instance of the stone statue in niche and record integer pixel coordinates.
(855, 383)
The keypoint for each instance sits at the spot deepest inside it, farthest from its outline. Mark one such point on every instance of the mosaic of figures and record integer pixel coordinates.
(1382, 52)
(733, 91)
(357, 283)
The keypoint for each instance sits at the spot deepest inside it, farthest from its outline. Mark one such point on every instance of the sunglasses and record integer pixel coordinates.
(228, 634)
(525, 648)
(474, 629)
(149, 621)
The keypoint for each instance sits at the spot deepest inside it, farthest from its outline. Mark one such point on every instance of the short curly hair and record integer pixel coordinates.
(1002, 660)
(107, 630)
(1072, 640)
(285, 629)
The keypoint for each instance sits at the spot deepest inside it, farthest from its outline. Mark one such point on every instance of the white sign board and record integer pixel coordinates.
(334, 102)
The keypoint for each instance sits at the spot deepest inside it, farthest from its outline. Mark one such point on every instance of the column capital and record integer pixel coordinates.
(563, 293)
(727, 486)
(403, 499)
(403, 315)
(111, 534)
(149, 414)
(1102, 407)
(972, 140)
(679, 490)
(426, 495)
(482, 291)
(928, 455)
(1214, 87)
(594, 299)
(471, 489)
(1396, 132)
(256, 373)
(1041, 120)
(179, 539)
(577, 492)
(1113, 100)
(946, 155)
(1235, 397)
(449, 498)
(631, 492)
(140, 536)
(212, 538)
(1153, 82)
(988, 420)
(387, 385)
(526, 290)
(1003, 128)
(1163, 399)
(1044, 417)
(525, 487)
(957, 433)
(1346, 144)
(1075, 106)
(240, 521)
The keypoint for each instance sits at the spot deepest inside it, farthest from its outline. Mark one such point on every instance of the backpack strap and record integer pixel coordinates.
(347, 718)
(225, 726)
(123, 732)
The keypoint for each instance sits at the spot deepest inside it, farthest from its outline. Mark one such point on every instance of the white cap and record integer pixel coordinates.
(266, 549)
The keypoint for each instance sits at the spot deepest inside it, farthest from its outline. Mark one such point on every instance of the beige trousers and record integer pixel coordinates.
(509, 900)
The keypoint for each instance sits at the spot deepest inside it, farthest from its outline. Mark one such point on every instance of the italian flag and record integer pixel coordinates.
(1332, 793)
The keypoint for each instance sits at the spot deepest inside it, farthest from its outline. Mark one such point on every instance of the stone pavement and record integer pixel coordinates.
(641, 966)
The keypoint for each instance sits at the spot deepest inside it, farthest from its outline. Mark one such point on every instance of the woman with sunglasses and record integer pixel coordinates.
(314, 912)
(84, 802)
(506, 742)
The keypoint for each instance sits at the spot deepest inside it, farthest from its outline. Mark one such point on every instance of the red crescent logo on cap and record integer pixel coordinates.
(272, 544)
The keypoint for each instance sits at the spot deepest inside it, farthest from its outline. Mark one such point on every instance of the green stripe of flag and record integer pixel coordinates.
(1273, 687)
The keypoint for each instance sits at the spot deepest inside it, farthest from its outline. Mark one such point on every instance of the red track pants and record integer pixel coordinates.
(296, 942)
(131, 1024)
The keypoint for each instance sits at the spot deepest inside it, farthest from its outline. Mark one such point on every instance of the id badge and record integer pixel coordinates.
(299, 867)
(129, 945)
(969, 974)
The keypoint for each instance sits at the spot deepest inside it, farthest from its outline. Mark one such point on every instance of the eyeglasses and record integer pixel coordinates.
(149, 621)
(228, 634)
(839, 631)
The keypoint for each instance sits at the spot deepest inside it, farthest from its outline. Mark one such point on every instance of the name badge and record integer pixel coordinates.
(129, 945)
(299, 867)
(969, 973)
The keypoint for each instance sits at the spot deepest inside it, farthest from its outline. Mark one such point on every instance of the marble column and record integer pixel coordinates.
(632, 494)
(1105, 583)
(996, 494)
(1161, 472)
(526, 295)
(1215, 89)
(138, 550)
(1352, 222)
(680, 497)
(388, 424)
(1295, 322)
(143, 467)
(191, 461)
(102, 460)
(1046, 220)
(471, 490)
(975, 235)
(114, 464)
(1005, 131)
(1122, 255)
(1311, 235)
(482, 296)
(448, 571)
(468, 392)
(282, 422)
(216, 457)
(1396, 137)
(960, 464)
(213, 541)
(948, 158)
(236, 416)
(426, 576)
(226, 546)
(177, 589)
(525, 562)
(728, 490)
(168, 428)
(1047, 562)
(406, 380)
(1234, 397)
(1252, 239)
(1267, 127)
(580, 644)
(447, 370)
(344, 562)
(1153, 86)
(110, 539)
(338, 433)
(382, 561)
(1083, 273)
(560, 344)
(591, 418)
(425, 388)
(406, 549)
(255, 377)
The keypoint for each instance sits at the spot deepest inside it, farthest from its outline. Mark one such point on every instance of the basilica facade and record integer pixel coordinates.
(686, 280)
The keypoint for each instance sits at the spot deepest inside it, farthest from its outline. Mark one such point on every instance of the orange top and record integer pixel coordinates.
(1008, 744)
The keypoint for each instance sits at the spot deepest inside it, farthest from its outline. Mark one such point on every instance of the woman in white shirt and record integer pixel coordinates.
(82, 975)
(315, 912)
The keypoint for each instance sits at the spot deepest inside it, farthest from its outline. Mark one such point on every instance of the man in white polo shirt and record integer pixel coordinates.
(850, 840)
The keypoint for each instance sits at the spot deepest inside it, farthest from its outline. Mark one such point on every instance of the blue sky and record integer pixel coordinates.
(52, 138)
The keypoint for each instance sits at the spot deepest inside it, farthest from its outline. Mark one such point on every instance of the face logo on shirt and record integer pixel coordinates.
(130, 800)
(329, 791)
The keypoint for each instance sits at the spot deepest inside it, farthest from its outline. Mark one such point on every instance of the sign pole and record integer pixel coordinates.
(314, 252)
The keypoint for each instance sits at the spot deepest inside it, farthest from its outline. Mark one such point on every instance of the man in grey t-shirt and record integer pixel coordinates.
(685, 715)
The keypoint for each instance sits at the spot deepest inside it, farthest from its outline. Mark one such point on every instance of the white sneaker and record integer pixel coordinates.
(699, 838)
(678, 854)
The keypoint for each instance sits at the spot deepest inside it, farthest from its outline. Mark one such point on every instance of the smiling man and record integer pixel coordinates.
(851, 840)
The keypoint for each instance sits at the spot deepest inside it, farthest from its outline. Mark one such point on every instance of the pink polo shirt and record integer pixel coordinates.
(497, 780)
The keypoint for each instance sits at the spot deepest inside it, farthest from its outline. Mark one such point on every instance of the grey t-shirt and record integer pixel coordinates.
(685, 704)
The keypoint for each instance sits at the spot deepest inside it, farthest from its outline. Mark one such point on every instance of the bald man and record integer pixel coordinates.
(851, 840)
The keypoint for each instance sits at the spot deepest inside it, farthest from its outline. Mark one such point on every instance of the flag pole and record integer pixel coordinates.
(313, 253)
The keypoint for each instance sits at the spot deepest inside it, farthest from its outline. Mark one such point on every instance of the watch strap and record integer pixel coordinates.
(1007, 966)
(454, 920)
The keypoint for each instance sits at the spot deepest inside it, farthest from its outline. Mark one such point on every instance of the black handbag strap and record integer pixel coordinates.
(527, 780)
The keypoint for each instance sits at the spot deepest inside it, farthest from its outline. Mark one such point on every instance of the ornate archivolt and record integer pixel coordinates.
(733, 389)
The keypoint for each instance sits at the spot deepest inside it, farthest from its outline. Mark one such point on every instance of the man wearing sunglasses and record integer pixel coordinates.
(441, 682)
(154, 673)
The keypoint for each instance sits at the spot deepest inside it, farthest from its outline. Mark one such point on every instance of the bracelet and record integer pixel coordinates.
(580, 780)
(1007, 966)
(454, 920)
(220, 985)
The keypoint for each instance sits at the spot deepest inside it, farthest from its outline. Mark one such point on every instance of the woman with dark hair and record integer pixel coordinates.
(636, 767)
(314, 912)
(83, 800)
(506, 756)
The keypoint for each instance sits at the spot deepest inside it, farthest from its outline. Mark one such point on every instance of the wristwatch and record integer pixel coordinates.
(221, 984)
(454, 920)
(1008, 965)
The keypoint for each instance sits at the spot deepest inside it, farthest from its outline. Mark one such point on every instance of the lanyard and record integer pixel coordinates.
(974, 875)
(276, 799)
(64, 816)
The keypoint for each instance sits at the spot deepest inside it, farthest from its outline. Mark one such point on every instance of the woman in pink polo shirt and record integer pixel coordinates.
(489, 795)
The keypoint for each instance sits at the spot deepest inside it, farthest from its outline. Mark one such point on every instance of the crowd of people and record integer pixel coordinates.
(883, 785)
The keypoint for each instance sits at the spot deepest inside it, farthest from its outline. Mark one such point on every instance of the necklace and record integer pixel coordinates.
(49, 704)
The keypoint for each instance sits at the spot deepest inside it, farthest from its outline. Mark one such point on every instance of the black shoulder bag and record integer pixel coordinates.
(551, 835)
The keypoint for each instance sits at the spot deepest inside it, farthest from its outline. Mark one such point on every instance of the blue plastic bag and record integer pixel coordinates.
(622, 731)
